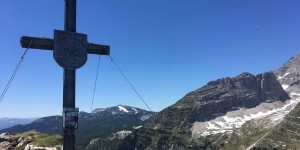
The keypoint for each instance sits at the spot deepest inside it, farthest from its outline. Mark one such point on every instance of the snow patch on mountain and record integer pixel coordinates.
(145, 117)
(121, 134)
(280, 77)
(295, 94)
(135, 110)
(275, 112)
(285, 86)
(121, 108)
(137, 127)
(99, 110)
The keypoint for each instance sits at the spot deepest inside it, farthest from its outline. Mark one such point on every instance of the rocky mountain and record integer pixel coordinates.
(103, 122)
(244, 112)
(9, 122)
(100, 122)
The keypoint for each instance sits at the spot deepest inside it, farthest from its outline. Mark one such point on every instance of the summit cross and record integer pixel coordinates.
(70, 51)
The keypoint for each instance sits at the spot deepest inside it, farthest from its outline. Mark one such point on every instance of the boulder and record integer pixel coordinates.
(5, 137)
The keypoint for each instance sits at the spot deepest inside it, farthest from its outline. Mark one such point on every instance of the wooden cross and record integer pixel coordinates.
(70, 51)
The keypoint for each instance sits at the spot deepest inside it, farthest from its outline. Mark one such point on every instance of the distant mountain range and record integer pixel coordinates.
(9, 122)
(101, 122)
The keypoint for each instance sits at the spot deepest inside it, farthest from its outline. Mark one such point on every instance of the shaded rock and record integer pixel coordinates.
(20, 144)
(4, 144)
(5, 137)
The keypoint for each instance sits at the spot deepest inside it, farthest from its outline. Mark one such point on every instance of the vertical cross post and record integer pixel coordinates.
(69, 76)
(70, 51)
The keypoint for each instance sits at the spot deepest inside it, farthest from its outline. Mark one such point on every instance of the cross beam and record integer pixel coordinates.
(70, 51)
(48, 44)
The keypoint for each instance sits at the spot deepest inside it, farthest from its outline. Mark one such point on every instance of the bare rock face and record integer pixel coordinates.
(227, 94)
(27, 140)
(289, 74)
(219, 97)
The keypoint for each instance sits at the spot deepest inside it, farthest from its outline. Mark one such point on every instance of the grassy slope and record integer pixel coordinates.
(35, 138)
(285, 135)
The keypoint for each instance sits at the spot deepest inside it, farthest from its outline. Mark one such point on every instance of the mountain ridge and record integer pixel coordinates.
(91, 125)
(227, 105)
(6, 122)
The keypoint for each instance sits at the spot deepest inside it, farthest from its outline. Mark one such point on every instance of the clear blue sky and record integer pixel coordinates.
(165, 47)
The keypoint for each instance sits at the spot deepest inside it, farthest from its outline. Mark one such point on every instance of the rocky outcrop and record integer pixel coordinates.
(5, 140)
(108, 142)
(223, 95)
(29, 140)
(289, 74)
(5, 137)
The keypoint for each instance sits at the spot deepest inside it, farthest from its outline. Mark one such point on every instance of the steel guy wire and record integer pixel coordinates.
(129, 82)
(14, 73)
(95, 83)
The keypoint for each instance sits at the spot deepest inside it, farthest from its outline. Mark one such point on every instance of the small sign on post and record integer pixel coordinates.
(70, 118)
